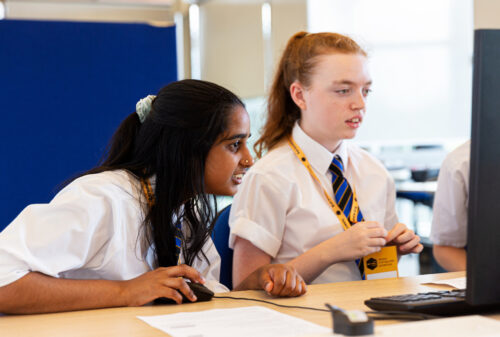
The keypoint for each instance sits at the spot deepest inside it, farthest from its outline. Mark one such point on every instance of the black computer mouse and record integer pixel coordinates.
(202, 293)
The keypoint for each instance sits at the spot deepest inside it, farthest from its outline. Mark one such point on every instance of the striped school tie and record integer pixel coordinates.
(343, 196)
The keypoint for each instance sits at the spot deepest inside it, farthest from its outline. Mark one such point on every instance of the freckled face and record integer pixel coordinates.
(229, 158)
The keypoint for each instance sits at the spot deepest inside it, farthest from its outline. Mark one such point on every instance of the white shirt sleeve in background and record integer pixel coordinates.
(449, 221)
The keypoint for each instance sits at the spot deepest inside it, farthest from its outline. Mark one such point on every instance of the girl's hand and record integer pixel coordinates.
(361, 239)
(405, 239)
(161, 282)
(281, 280)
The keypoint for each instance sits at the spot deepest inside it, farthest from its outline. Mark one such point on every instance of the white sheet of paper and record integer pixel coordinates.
(242, 322)
(459, 283)
(465, 326)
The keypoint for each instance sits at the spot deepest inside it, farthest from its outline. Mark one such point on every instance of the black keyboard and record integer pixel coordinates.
(441, 303)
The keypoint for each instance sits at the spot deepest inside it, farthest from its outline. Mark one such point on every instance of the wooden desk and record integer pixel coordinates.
(123, 322)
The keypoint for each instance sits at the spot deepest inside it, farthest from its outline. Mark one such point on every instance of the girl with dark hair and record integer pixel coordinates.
(134, 228)
(315, 201)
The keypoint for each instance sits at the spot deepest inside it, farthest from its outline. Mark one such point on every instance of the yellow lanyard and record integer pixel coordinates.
(353, 215)
(148, 192)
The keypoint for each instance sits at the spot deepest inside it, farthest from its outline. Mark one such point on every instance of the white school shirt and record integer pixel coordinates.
(449, 219)
(90, 230)
(282, 210)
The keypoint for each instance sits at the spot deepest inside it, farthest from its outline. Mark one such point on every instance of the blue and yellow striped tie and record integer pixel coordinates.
(343, 196)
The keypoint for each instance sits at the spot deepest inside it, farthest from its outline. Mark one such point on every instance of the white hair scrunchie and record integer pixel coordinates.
(143, 107)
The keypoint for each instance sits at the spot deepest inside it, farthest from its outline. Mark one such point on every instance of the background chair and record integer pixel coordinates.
(220, 236)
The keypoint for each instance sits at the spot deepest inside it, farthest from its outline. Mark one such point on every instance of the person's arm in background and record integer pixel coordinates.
(450, 258)
(39, 293)
(449, 222)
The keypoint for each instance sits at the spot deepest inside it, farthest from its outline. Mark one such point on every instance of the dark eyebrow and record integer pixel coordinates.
(237, 136)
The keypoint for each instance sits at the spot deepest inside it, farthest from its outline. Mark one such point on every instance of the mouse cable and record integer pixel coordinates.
(376, 315)
(276, 304)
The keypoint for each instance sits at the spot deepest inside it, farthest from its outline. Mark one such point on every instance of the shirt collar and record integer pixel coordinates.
(319, 156)
(341, 151)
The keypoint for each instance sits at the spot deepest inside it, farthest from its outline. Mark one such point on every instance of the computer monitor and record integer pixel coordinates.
(483, 237)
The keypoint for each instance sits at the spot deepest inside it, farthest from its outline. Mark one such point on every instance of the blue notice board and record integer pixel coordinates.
(64, 88)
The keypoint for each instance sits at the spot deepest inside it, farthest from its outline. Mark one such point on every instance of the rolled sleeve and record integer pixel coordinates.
(258, 213)
(256, 234)
(56, 237)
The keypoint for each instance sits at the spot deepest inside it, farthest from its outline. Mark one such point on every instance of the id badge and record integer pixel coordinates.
(383, 264)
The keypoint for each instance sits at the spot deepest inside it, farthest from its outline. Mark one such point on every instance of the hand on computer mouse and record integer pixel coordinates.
(168, 282)
(201, 292)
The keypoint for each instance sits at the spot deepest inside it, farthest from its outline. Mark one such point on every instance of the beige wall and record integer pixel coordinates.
(288, 18)
(232, 47)
(233, 50)
(486, 14)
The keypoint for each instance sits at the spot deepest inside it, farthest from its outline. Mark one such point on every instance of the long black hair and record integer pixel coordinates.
(172, 144)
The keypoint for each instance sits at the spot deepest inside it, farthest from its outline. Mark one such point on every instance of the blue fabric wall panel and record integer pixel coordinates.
(64, 88)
